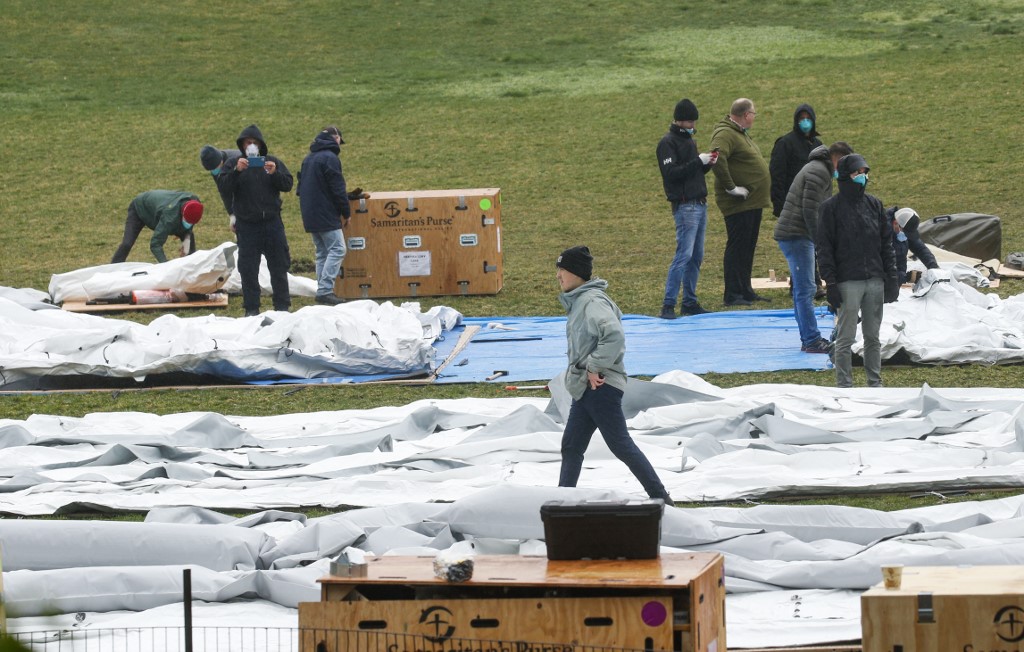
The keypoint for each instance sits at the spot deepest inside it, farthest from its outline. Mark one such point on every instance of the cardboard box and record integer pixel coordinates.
(963, 609)
(423, 243)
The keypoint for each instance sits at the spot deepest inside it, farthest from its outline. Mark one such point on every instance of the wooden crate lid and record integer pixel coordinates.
(956, 580)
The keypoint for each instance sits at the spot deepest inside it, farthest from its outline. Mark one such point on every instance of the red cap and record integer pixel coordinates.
(192, 211)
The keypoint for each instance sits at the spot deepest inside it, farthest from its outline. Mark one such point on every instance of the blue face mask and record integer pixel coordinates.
(805, 125)
(835, 174)
(690, 131)
(215, 172)
(862, 179)
(185, 224)
(901, 236)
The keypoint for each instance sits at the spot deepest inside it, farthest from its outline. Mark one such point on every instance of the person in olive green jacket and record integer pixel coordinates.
(167, 212)
(742, 191)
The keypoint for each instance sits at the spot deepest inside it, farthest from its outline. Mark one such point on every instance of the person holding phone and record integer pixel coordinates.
(252, 183)
(682, 174)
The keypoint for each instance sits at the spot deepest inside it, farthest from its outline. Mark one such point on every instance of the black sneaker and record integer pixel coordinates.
(693, 309)
(252, 313)
(738, 301)
(820, 345)
(329, 299)
(757, 297)
(668, 312)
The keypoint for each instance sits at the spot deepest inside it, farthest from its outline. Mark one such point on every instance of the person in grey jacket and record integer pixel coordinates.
(795, 233)
(596, 377)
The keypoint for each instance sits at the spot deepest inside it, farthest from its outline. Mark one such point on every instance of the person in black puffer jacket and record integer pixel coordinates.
(855, 256)
(254, 194)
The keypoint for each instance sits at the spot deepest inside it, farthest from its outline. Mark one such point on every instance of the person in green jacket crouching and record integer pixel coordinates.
(167, 212)
(596, 377)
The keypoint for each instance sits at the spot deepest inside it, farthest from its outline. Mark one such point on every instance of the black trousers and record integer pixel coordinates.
(742, 230)
(255, 241)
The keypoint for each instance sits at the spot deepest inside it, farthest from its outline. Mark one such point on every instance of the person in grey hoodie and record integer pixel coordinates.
(596, 377)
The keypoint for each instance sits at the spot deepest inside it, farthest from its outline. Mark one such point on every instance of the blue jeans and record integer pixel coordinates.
(601, 408)
(861, 299)
(691, 221)
(330, 252)
(799, 254)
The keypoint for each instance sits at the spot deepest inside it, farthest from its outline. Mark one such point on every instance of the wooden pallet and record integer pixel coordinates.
(221, 301)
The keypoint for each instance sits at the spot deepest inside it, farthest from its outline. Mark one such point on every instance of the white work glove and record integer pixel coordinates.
(231, 223)
(739, 191)
(705, 158)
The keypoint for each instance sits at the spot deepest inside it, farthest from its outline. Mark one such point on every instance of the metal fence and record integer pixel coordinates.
(284, 639)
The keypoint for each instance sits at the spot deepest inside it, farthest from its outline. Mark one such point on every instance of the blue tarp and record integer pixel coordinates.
(533, 348)
(725, 342)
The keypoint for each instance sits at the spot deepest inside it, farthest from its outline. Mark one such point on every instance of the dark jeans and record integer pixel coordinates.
(601, 408)
(257, 239)
(742, 230)
(132, 228)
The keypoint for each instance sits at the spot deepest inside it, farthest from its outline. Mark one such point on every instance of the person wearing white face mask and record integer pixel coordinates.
(906, 239)
(856, 259)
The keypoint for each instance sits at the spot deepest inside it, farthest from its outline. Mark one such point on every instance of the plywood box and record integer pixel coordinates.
(964, 609)
(423, 243)
(674, 602)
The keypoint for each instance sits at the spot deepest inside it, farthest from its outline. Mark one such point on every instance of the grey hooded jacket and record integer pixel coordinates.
(812, 185)
(595, 337)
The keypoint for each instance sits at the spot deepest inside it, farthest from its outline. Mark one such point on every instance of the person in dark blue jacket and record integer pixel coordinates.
(254, 193)
(325, 208)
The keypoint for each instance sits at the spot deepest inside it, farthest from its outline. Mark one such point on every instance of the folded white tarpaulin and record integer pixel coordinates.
(356, 338)
(202, 272)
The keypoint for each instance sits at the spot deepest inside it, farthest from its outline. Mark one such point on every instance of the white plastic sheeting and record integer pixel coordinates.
(794, 573)
(356, 338)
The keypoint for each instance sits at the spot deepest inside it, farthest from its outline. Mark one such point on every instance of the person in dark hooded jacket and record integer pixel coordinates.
(325, 208)
(789, 155)
(857, 263)
(254, 194)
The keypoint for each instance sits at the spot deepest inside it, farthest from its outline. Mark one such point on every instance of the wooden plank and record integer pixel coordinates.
(667, 571)
(221, 301)
(635, 622)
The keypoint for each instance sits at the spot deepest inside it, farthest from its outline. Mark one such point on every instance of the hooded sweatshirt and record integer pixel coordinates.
(854, 238)
(321, 189)
(597, 343)
(789, 156)
(812, 185)
(740, 163)
(254, 195)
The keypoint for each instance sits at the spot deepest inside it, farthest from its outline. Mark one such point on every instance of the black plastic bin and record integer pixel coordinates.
(628, 529)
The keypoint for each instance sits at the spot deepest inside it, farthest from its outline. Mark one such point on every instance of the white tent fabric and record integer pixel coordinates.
(356, 338)
(794, 573)
(203, 272)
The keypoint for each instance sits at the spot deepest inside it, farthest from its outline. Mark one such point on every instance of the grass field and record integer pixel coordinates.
(559, 104)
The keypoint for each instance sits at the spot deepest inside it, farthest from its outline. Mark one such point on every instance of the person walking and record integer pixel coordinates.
(596, 377)
(742, 185)
(682, 174)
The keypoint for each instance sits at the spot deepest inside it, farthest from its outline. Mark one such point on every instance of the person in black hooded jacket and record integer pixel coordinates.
(853, 245)
(789, 155)
(325, 208)
(254, 194)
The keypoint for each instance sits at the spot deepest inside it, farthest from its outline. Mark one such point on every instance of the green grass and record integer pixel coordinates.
(559, 104)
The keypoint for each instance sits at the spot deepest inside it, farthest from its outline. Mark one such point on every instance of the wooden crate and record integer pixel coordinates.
(979, 608)
(675, 602)
(423, 243)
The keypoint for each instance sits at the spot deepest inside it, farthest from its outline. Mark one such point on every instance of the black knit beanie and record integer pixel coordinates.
(210, 157)
(685, 110)
(578, 261)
